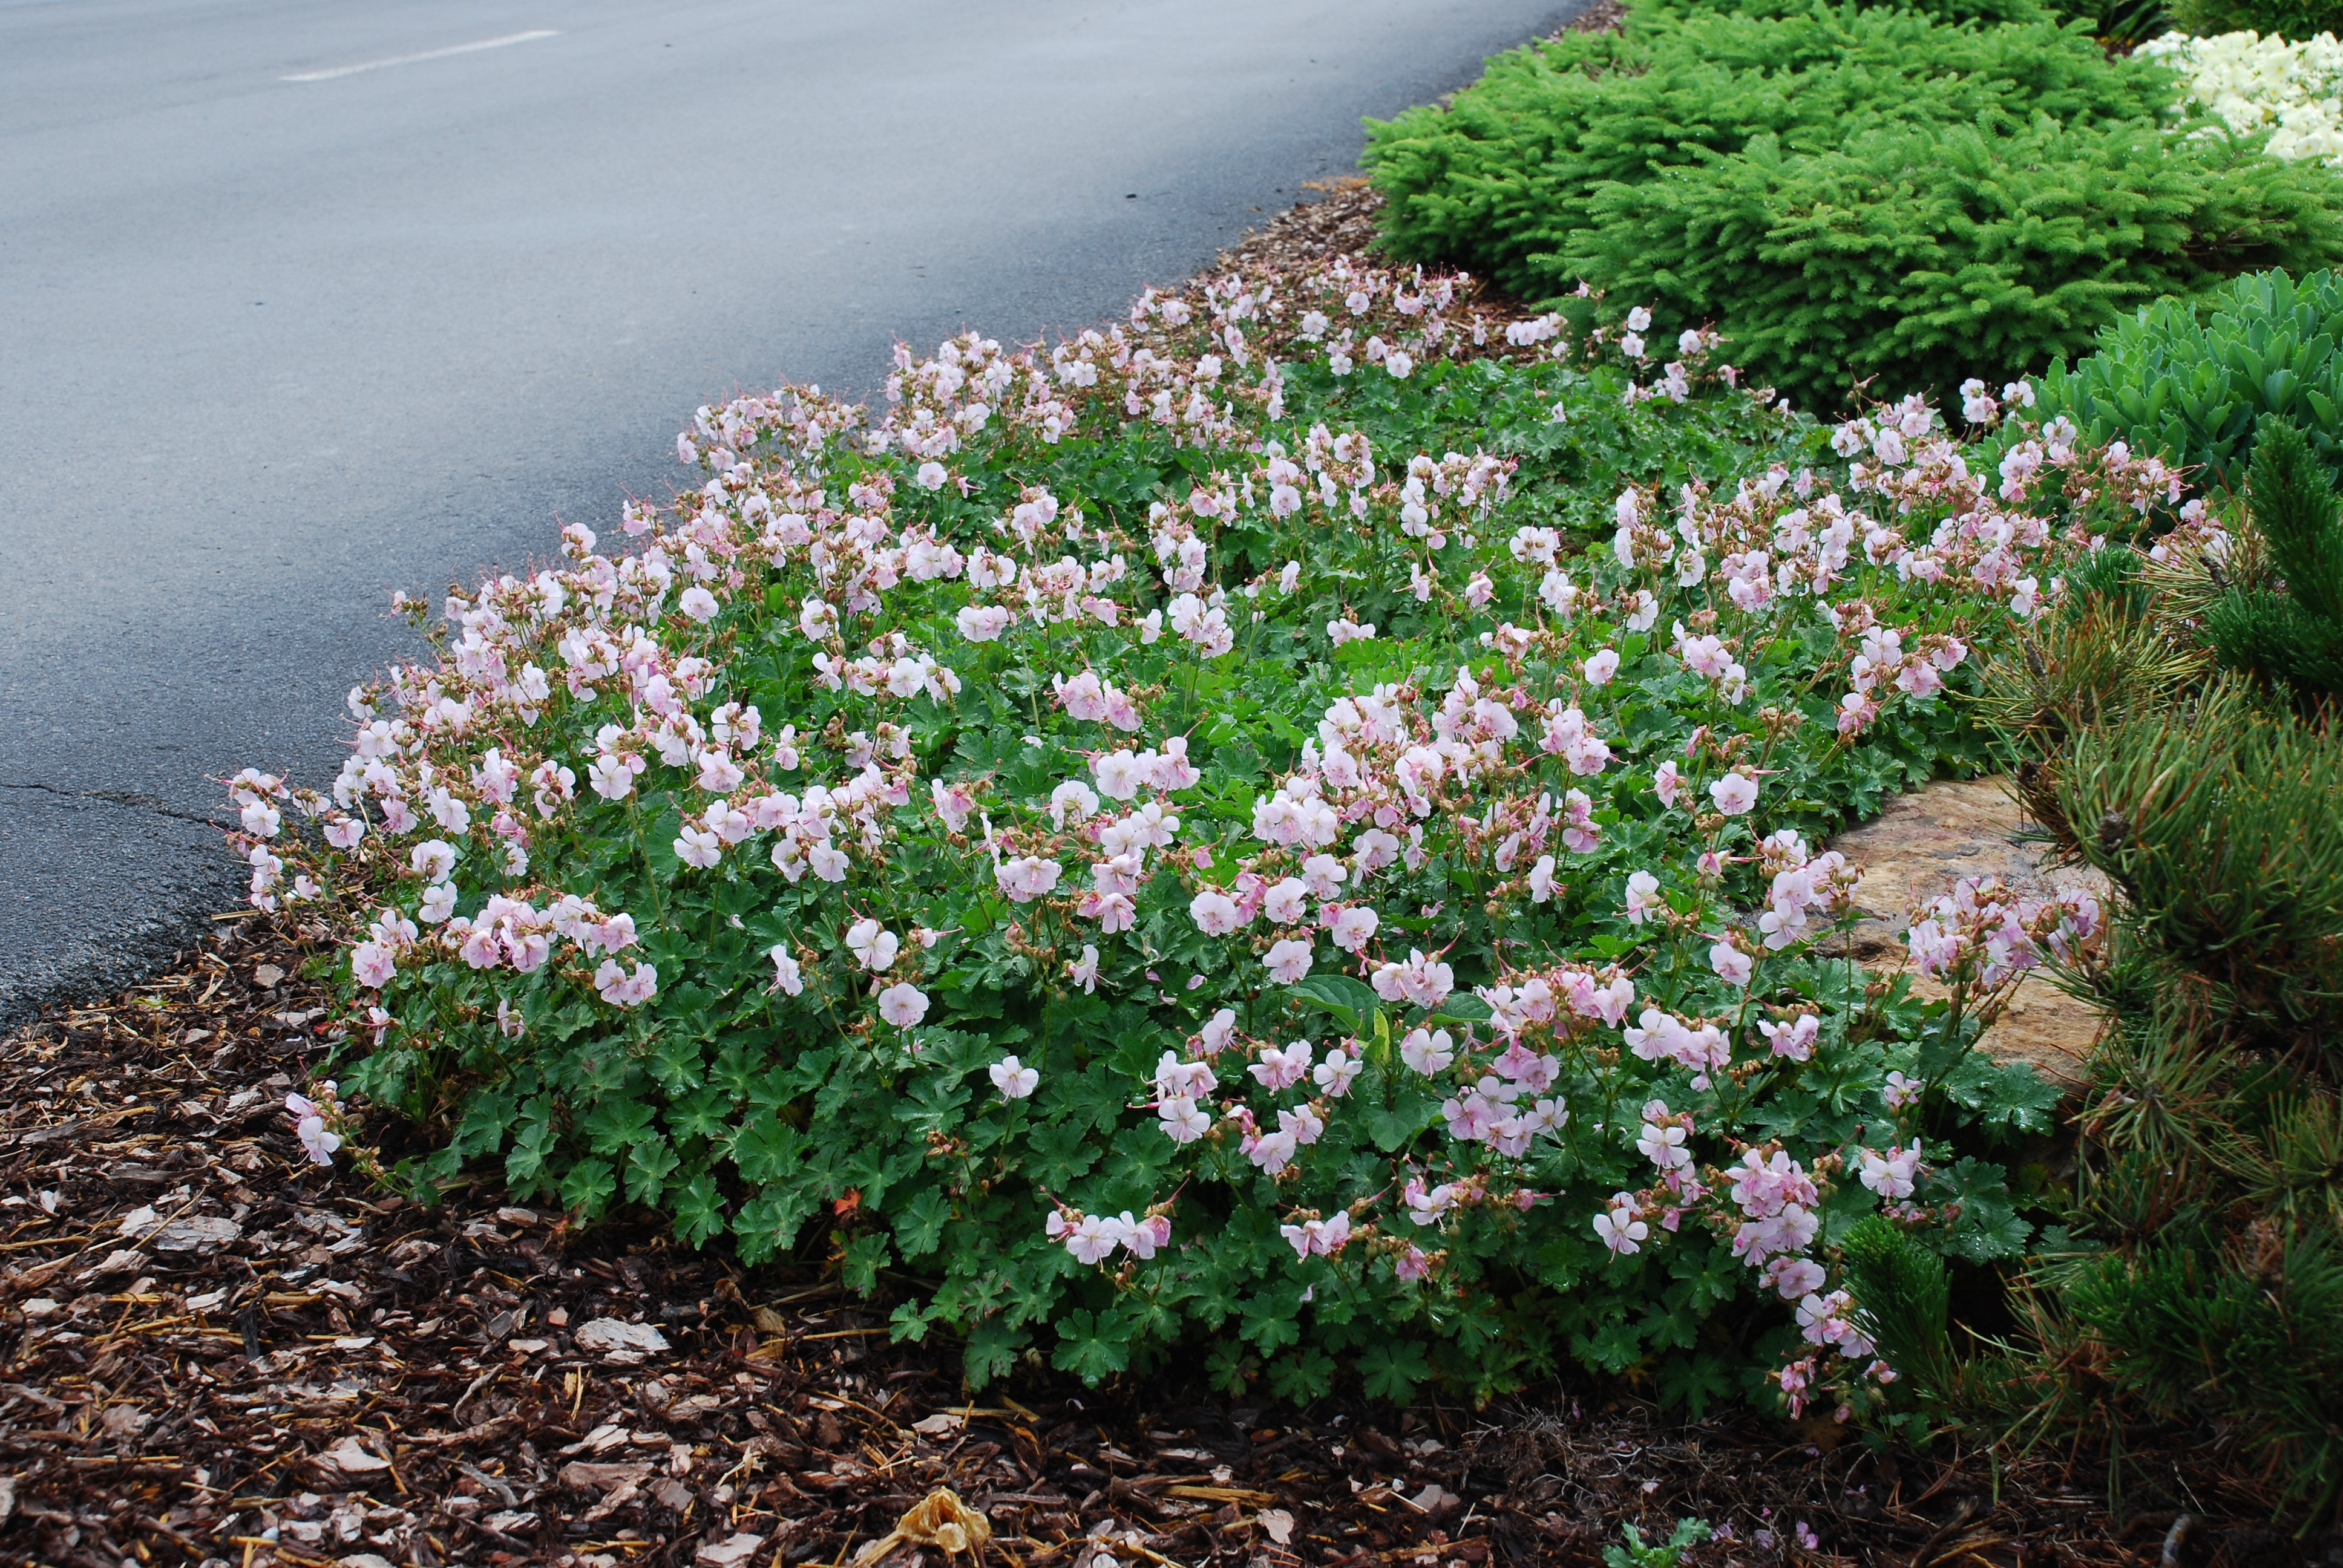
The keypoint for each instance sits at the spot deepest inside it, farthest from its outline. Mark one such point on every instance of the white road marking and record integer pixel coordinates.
(427, 55)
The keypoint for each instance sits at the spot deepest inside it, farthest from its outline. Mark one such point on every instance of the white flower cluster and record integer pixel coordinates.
(2256, 86)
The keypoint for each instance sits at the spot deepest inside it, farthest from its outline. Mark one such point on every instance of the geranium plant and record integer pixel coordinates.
(1291, 822)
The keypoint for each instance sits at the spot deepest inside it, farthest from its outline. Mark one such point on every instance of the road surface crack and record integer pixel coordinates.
(130, 797)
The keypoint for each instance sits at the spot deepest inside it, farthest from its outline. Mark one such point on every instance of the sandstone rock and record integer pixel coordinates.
(1914, 850)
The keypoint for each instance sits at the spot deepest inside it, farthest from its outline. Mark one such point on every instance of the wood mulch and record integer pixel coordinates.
(1339, 220)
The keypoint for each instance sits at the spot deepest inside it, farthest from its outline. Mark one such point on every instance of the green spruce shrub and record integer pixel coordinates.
(1500, 180)
(1922, 255)
(1987, 12)
(1848, 194)
(2120, 23)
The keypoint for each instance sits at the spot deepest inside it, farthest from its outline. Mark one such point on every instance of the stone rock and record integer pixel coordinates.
(1914, 850)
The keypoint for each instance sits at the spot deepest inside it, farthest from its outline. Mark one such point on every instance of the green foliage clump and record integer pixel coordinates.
(1848, 194)
(2224, 829)
(1951, 12)
(2124, 24)
(2291, 19)
(2118, 21)
(2293, 638)
(2243, 1329)
(1904, 1305)
(1500, 179)
(1634, 1551)
(2206, 1274)
(1924, 255)
(2193, 378)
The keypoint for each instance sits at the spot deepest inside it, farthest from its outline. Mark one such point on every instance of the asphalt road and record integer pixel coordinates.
(278, 336)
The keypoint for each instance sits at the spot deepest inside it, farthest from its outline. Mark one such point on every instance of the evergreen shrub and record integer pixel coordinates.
(1173, 839)
(2200, 1270)
(2294, 19)
(2240, 1327)
(2290, 636)
(1847, 194)
(1955, 12)
(1919, 255)
(2226, 835)
(1504, 174)
(2124, 24)
(1904, 1304)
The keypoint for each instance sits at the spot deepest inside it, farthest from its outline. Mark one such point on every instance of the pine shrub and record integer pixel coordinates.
(2242, 1330)
(2292, 640)
(1905, 1304)
(2224, 829)
(2202, 1272)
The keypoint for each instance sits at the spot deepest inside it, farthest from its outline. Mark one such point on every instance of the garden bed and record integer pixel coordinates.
(222, 1350)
